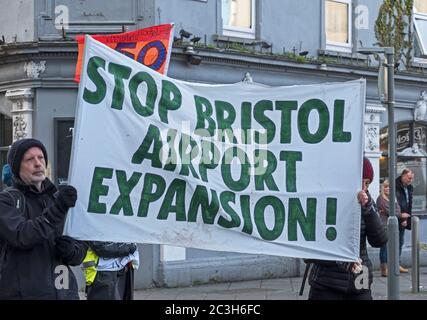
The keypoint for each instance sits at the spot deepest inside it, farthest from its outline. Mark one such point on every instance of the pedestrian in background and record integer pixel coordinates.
(383, 204)
(404, 191)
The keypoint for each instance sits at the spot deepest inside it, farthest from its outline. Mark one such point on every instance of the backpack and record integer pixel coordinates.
(17, 197)
(19, 200)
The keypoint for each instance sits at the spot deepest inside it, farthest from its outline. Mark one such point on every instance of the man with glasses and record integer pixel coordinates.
(34, 254)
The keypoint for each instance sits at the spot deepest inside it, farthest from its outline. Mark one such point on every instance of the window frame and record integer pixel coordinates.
(248, 33)
(421, 16)
(341, 46)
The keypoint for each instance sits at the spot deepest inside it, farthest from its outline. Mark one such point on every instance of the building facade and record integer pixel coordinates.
(274, 42)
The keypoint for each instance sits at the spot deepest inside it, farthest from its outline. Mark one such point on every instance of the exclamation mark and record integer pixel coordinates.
(331, 218)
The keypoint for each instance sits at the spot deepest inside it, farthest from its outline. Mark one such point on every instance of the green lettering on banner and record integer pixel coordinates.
(259, 114)
(189, 150)
(97, 189)
(204, 113)
(125, 188)
(243, 182)
(291, 157)
(148, 195)
(209, 209)
(286, 108)
(208, 162)
(172, 159)
(120, 72)
(279, 217)
(95, 97)
(265, 173)
(303, 121)
(226, 197)
(224, 121)
(338, 134)
(167, 102)
(331, 218)
(246, 116)
(246, 213)
(307, 222)
(176, 190)
(151, 96)
(152, 137)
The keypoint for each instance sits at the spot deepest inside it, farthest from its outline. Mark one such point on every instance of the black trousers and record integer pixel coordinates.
(125, 286)
(112, 285)
(324, 293)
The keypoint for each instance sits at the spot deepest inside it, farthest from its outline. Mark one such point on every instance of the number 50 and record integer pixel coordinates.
(158, 45)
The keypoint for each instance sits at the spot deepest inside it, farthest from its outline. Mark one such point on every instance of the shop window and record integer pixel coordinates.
(338, 25)
(238, 18)
(411, 151)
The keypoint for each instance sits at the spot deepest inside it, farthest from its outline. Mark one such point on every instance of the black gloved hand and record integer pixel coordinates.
(126, 249)
(64, 247)
(369, 206)
(66, 196)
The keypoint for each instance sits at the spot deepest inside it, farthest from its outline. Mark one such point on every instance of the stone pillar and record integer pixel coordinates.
(372, 143)
(22, 112)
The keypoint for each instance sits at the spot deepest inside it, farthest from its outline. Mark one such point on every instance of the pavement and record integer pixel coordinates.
(275, 289)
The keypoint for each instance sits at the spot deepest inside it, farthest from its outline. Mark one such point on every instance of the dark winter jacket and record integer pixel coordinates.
(405, 206)
(112, 249)
(35, 253)
(112, 285)
(333, 275)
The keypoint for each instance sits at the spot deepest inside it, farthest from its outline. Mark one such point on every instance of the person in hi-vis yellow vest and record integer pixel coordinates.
(109, 270)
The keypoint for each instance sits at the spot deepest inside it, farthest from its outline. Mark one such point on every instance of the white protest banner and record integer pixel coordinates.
(236, 167)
